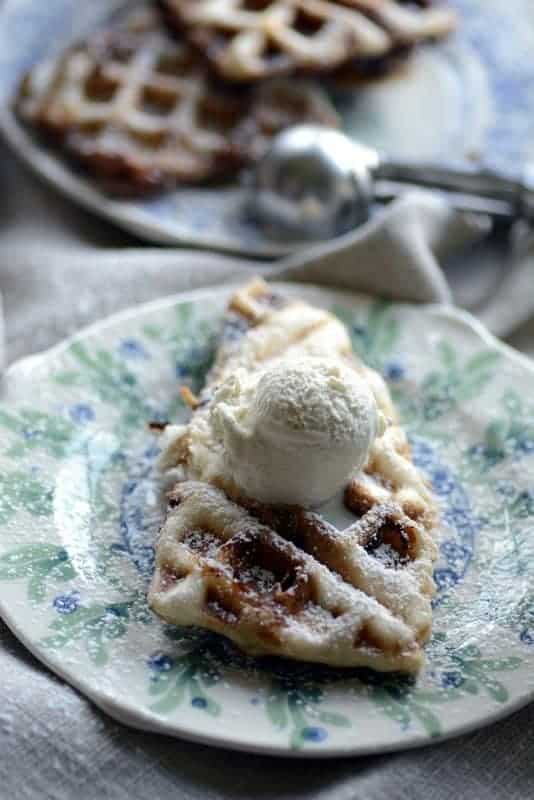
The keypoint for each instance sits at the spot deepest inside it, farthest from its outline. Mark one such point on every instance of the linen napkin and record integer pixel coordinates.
(60, 269)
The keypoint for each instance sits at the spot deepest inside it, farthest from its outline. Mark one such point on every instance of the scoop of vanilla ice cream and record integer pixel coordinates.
(295, 432)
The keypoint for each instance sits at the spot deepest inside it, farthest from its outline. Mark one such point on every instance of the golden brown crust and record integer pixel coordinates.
(190, 399)
(304, 596)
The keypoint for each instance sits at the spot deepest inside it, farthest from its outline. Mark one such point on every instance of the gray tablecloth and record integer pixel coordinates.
(59, 269)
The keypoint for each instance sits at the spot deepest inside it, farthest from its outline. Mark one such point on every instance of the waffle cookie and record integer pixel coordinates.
(282, 580)
(138, 110)
(248, 40)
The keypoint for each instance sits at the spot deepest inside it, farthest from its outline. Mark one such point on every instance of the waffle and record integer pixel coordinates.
(247, 40)
(138, 110)
(282, 580)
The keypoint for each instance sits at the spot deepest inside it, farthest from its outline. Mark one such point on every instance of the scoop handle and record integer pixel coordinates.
(516, 194)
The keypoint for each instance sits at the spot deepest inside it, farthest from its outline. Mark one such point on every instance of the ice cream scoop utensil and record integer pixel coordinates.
(315, 183)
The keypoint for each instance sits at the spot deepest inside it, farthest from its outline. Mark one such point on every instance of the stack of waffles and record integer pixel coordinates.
(188, 91)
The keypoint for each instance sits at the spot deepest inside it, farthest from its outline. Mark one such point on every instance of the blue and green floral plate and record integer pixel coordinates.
(470, 98)
(79, 513)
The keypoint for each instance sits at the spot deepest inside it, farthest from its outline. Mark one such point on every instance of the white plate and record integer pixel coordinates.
(470, 97)
(79, 514)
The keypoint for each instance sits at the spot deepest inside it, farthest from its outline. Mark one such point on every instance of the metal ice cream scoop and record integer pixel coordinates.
(315, 183)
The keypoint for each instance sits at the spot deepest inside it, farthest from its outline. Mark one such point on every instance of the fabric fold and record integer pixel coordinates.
(51, 292)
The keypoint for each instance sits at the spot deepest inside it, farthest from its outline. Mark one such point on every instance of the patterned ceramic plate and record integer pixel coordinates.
(79, 514)
(472, 97)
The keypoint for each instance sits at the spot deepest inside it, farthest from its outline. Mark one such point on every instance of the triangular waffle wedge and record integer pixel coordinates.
(137, 108)
(247, 40)
(283, 580)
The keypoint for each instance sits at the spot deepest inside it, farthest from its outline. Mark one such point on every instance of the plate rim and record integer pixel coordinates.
(123, 214)
(147, 721)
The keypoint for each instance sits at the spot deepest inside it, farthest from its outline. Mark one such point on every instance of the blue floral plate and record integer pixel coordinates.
(469, 98)
(79, 513)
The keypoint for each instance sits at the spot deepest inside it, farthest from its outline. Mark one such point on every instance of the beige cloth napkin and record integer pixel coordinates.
(60, 269)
